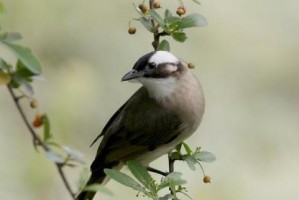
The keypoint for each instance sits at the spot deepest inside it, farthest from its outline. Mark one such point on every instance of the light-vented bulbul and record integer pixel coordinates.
(165, 111)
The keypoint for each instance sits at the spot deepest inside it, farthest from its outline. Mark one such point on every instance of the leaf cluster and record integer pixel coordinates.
(149, 187)
(184, 153)
(146, 185)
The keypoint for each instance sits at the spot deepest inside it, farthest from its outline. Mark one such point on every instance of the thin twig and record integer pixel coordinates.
(150, 169)
(66, 183)
(37, 140)
(156, 41)
(171, 168)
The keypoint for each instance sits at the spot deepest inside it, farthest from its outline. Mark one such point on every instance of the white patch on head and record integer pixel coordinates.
(163, 57)
(159, 88)
(171, 68)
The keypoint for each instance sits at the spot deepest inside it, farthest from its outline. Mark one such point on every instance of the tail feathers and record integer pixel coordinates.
(94, 178)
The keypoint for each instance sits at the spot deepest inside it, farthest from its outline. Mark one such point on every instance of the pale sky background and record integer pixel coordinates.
(246, 58)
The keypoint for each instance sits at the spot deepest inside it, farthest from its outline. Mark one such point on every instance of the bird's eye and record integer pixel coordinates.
(152, 65)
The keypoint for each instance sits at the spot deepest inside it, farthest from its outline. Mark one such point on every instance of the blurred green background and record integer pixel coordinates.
(247, 60)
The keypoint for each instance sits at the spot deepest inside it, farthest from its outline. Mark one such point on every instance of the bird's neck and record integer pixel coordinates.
(159, 88)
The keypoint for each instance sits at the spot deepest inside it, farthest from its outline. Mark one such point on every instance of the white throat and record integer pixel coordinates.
(159, 88)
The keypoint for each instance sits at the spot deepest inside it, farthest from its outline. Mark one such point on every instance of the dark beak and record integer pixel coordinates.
(132, 75)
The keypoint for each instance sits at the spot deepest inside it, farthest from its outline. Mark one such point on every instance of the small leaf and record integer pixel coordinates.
(124, 179)
(179, 147)
(47, 128)
(54, 157)
(10, 37)
(172, 20)
(164, 46)
(193, 20)
(157, 18)
(187, 148)
(4, 78)
(179, 36)
(191, 162)
(26, 56)
(147, 24)
(22, 71)
(98, 188)
(22, 77)
(4, 65)
(175, 178)
(205, 156)
(141, 174)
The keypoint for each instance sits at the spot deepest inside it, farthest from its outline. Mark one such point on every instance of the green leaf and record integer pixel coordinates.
(171, 20)
(175, 178)
(124, 179)
(187, 148)
(47, 128)
(167, 14)
(26, 56)
(179, 147)
(164, 46)
(179, 36)
(22, 77)
(23, 72)
(157, 18)
(147, 24)
(196, 1)
(205, 156)
(193, 20)
(141, 174)
(4, 65)
(2, 15)
(191, 161)
(98, 188)
(10, 37)
(18, 80)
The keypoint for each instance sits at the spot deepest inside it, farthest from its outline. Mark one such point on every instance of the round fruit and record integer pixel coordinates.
(132, 30)
(157, 4)
(33, 104)
(181, 10)
(38, 121)
(191, 65)
(143, 7)
(207, 179)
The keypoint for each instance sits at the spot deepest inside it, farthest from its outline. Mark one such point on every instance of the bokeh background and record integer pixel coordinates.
(247, 60)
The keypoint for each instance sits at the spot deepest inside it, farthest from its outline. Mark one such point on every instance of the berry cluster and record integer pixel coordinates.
(181, 10)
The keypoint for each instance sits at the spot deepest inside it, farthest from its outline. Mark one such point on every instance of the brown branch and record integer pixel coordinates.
(150, 169)
(37, 140)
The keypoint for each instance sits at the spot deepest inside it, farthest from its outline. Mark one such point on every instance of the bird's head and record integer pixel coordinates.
(158, 71)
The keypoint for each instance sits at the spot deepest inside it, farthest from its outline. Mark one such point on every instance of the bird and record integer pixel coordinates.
(162, 113)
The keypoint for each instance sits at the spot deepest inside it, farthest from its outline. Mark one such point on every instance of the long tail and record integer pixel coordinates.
(94, 178)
